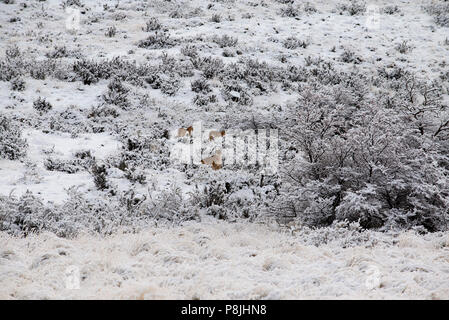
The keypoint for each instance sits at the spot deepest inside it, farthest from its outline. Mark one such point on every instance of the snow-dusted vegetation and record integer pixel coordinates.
(95, 97)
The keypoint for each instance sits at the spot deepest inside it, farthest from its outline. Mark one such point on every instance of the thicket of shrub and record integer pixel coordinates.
(12, 145)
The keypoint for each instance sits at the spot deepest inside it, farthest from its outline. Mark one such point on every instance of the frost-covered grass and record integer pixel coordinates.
(226, 261)
(360, 102)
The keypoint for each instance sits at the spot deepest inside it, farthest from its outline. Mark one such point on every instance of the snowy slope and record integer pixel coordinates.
(207, 258)
(224, 261)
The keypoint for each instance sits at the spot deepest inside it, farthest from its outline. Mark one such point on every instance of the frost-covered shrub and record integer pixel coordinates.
(71, 3)
(169, 85)
(259, 76)
(17, 84)
(228, 53)
(102, 111)
(391, 9)
(170, 206)
(440, 13)
(145, 151)
(176, 14)
(58, 52)
(395, 73)
(209, 66)
(135, 175)
(12, 146)
(236, 92)
(360, 161)
(290, 11)
(294, 43)
(24, 215)
(42, 105)
(349, 56)
(90, 72)
(153, 24)
(229, 196)
(215, 18)
(204, 100)
(354, 7)
(62, 165)
(200, 86)
(83, 160)
(171, 65)
(99, 173)
(71, 120)
(403, 47)
(286, 1)
(225, 41)
(158, 40)
(342, 233)
(117, 94)
(190, 51)
(12, 52)
(9, 70)
(111, 32)
(309, 8)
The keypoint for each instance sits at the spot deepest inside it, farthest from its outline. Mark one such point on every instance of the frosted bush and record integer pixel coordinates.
(117, 94)
(344, 173)
(440, 12)
(42, 105)
(153, 24)
(158, 40)
(353, 7)
(225, 41)
(12, 145)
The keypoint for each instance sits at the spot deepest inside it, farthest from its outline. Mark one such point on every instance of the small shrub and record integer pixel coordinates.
(99, 174)
(90, 72)
(158, 40)
(169, 85)
(67, 166)
(403, 47)
(17, 84)
(135, 175)
(294, 43)
(290, 11)
(189, 51)
(391, 10)
(309, 8)
(117, 93)
(42, 105)
(225, 41)
(354, 7)
(201, 86)
(12, 52)
(349, 56)
(440, 13)
(58, 52)
(215, 18)
(111, 32)
(152, 24)
(12, 146)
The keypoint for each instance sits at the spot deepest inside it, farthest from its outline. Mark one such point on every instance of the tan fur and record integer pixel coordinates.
(215, 161)
(182, 132)
(216, 134)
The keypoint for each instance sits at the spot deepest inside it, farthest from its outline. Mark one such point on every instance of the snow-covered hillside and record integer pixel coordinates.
(320, 114)
(227, 261)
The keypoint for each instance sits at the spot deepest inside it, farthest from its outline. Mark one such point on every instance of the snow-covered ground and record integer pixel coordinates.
(224, 261)
(205, 258)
